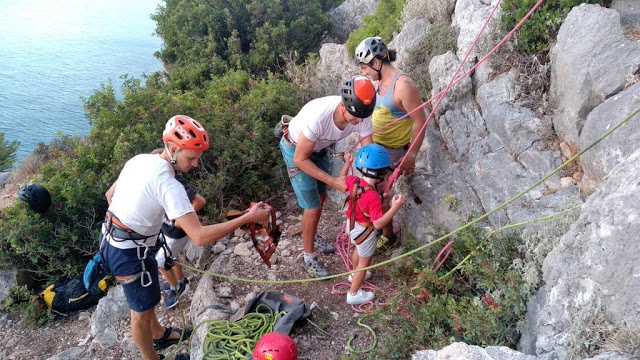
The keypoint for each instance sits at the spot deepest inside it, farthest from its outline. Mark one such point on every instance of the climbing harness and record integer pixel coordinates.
(118, 232)
(354, 199)
(264, 229)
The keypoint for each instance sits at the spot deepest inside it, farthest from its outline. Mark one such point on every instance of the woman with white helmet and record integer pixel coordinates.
(397, 95)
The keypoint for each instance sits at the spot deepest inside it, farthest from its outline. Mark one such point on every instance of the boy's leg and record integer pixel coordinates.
(358, 277)
(177, 271)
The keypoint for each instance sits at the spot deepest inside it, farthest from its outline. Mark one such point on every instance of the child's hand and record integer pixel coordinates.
(348, 158)
(398, 200)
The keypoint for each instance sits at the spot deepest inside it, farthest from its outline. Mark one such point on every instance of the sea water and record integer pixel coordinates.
(55, 52)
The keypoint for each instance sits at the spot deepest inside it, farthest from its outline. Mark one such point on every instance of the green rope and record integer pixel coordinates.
(523, 223)
(373, 335)
(236, 340)
(437, 241)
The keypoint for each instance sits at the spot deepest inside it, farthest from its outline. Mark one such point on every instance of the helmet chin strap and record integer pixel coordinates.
(174, 157)
(379, 71)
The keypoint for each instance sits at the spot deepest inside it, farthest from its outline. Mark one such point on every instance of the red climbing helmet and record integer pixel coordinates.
(186, 133)
(359, 96)
(275, 346)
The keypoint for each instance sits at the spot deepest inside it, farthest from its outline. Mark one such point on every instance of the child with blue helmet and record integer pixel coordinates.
(364, 212)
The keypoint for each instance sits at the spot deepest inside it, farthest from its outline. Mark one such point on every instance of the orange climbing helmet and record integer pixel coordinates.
(359, 96)
(186, 133)
(275, 346)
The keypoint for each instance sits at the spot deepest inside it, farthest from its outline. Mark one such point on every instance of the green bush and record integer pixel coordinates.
(20, 300)
(204, 38)
(543, 24)
(7, 152)
(440, 39)
(383, 23)
(243, 163)
(480, 303)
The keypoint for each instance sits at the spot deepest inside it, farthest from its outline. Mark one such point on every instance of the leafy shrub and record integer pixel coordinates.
(204, 38)
(543, 24)
(441, 38)
(20, 300)
(242, 164)
(7, 152)
(480, 303)
(383, 23)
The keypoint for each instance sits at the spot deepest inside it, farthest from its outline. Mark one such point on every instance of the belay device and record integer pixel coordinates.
(267, 228)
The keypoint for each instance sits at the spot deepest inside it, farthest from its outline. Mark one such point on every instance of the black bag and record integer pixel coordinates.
(66, 298)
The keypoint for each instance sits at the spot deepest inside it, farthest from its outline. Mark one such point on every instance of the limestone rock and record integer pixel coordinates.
(350, 15)
(599, 160)
(412, 33)
(594, 264)
(459, 350)
(584, 73)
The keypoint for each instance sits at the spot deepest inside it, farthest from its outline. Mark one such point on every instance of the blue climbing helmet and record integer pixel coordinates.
(373, 161)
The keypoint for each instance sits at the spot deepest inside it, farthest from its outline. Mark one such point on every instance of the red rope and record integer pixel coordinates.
(453, 82)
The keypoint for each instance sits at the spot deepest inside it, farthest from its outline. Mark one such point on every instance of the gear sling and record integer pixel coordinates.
(119, 232)
(353, 199)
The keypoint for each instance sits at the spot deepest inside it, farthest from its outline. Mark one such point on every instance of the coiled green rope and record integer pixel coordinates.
(236, 340)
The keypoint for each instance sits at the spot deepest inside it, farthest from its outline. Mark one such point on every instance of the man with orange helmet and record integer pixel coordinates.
(145, 191)
(319, 124)
(275, 346)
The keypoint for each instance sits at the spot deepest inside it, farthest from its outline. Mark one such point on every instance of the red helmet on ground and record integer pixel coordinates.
(275, 346)
(186, 133)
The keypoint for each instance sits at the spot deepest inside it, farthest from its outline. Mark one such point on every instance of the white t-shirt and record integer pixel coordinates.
(315, 121)
(146, 191)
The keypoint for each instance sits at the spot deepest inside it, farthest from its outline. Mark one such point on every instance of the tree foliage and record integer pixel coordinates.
(203, 38)
(242, 164)
(7, 152)
(543, 24)
(383, 23)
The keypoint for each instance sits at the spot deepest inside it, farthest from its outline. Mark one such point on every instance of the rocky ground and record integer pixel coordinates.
(333, 322)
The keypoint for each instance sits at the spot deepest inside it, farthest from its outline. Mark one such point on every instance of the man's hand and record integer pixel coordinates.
(409, 165)
(348, 158)
(340, 184)
(257, 212)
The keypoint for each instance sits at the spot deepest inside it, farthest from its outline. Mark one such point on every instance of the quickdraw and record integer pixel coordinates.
(267, 228)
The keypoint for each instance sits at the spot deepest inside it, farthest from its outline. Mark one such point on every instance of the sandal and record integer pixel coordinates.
(164, 342)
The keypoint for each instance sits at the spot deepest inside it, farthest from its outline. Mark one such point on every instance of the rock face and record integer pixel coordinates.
(410, 36)
(7, 281)
(431, 10)
(587, 72)
(461, 351)
(469, 17)
(597, 263)
(599, 161)
(334, 67)
(111, 308)
(350, 15)
(629, 10)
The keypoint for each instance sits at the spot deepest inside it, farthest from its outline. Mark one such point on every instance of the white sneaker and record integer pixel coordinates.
(360, 297)
(367, 276)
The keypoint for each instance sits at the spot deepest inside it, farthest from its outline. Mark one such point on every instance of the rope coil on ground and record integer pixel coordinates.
(236, 340)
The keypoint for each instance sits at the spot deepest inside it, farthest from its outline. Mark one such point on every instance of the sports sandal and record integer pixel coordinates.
(164, 342)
